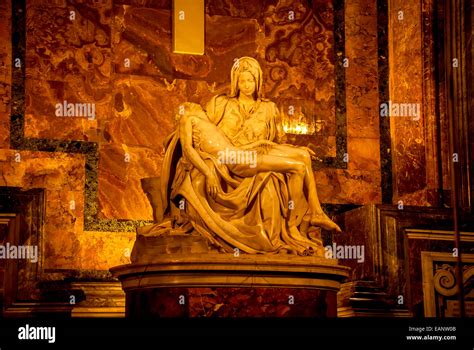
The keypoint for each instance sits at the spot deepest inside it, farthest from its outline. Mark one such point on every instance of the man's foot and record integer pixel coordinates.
(322, 220)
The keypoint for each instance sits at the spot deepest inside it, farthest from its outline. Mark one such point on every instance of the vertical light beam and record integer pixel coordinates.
(188, 27)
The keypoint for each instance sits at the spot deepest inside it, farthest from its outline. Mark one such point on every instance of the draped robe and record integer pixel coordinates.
(251, 213)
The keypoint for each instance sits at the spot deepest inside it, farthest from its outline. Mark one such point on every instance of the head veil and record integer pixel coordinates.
(246, 64)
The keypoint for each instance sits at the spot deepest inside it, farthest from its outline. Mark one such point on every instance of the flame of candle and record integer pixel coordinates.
(297, 124)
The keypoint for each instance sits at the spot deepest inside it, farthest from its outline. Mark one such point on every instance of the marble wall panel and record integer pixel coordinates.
(360, 183)
(5, 72)
(144, 108)
(348, 186)
(160, 4)
(63, 177)
(120, 192)
(142, 42)
(42, 97)
(67, 59)
(324, 77)
(239, 8)
(406, 74)
(67, 246)
(230, 302)
(90, 250)
(361, 71)
(363, 154)
(53, 171)
(70, 40)
(257, 302)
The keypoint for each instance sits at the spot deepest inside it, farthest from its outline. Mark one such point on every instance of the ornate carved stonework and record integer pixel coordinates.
(440, 288)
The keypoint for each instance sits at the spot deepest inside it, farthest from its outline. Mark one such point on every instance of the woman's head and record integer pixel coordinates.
(246, 76)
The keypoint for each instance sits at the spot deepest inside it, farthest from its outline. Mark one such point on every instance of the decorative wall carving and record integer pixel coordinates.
(440, 288)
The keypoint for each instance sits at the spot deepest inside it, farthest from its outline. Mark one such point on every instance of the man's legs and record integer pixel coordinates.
(319, 218)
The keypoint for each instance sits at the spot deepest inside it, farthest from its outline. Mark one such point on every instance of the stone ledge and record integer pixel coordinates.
(176, 285)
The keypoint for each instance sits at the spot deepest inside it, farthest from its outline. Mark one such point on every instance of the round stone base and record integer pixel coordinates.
(230, 302)
(224, 285)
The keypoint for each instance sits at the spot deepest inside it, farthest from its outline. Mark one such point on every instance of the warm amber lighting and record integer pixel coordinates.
(298, 118)
(299, 126)
(188, 27)
(296, 129)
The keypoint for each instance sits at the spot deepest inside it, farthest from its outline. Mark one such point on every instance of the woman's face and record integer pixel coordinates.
(246, 84)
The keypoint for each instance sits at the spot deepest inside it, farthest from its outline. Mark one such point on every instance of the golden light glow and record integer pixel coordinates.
(296, 129)
(299, 125)
(188, 27)
(298, 118)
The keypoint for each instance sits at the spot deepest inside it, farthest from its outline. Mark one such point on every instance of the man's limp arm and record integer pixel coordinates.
(186, 137)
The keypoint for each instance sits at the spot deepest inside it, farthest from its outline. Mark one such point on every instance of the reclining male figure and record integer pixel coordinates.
(285, 159)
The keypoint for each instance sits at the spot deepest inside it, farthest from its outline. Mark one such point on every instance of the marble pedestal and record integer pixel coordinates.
(200, 283)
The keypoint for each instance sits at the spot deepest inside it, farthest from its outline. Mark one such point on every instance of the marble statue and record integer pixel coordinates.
(229, 177)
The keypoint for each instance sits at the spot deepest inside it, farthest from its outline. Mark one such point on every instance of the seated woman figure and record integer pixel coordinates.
(267, 205)
(247, 117)
(217, 144)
